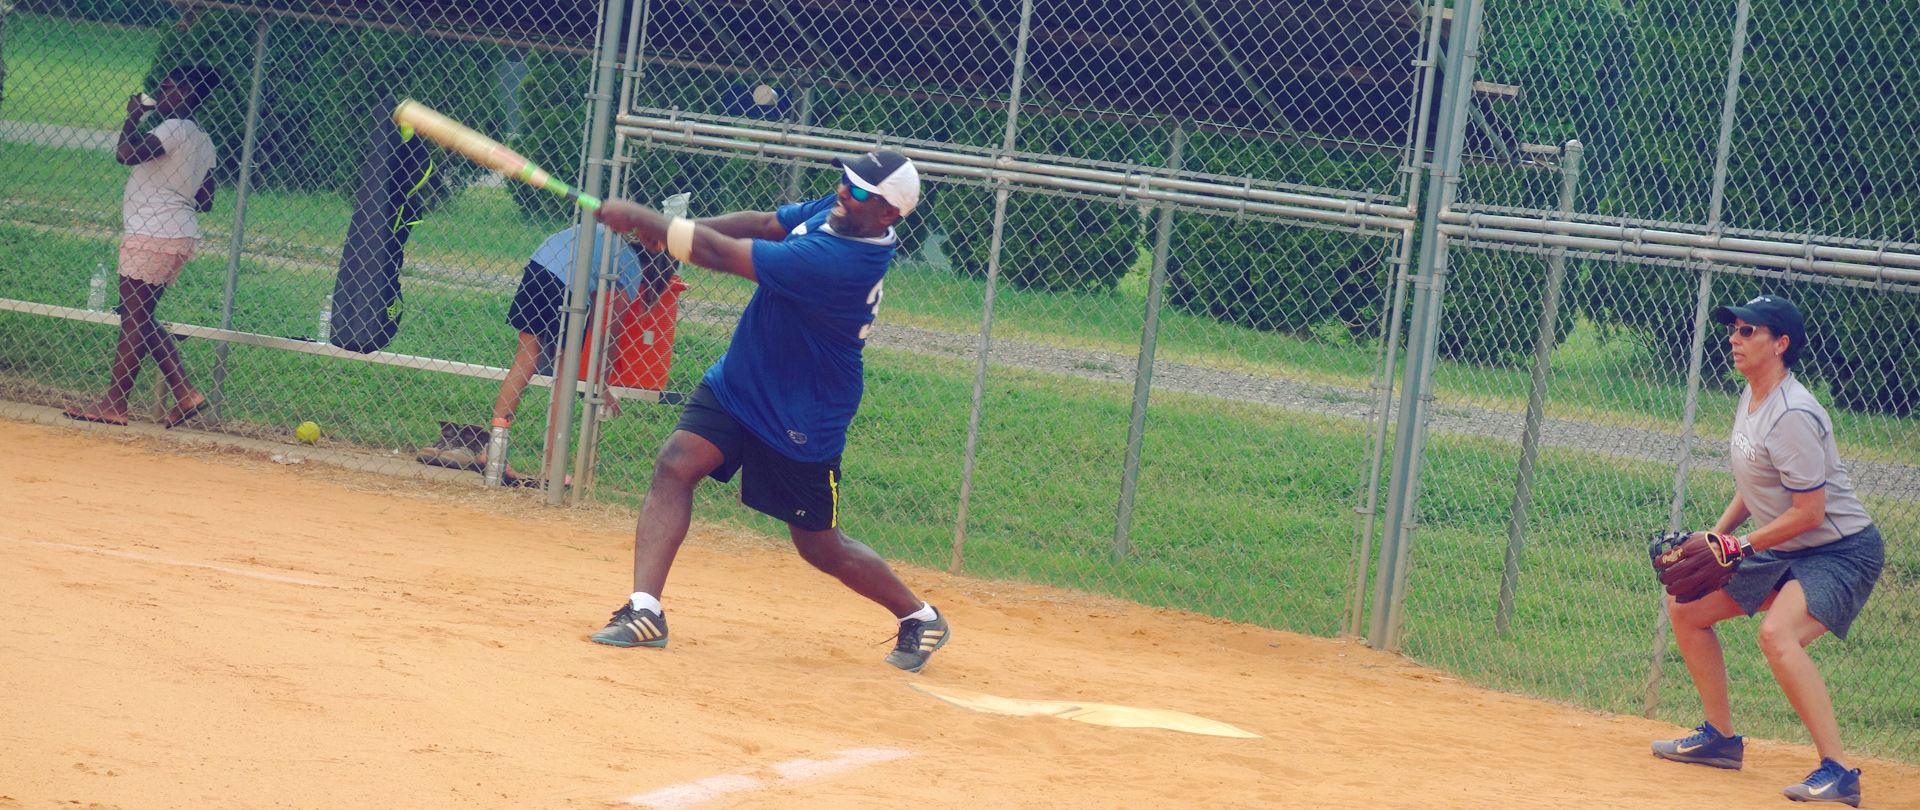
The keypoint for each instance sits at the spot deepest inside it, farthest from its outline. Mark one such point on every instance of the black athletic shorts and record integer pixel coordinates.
(536, 306)
(805, 494)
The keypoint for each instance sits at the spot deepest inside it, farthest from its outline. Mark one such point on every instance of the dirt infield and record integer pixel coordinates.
(208, 629)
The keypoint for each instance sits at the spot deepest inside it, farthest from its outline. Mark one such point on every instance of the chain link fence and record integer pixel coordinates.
(1168, 323)
(1656, 160)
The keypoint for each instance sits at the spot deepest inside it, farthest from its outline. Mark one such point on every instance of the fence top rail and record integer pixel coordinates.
(1145, 179)
(640, 115)
(1690, 227)
(1815, 256)
(1799, 264)
(1349, 212)
(1886, 285)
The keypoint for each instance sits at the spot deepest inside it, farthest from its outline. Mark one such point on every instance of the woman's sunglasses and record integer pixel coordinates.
(857, 193)
(1744, 330)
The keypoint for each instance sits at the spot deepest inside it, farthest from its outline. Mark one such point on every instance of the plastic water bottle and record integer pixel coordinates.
(496, 453)
(97, 289)
(676, 205)
(326, 318)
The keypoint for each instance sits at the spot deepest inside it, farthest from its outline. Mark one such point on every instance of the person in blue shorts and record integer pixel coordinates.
(1810, 561)
(775, 408)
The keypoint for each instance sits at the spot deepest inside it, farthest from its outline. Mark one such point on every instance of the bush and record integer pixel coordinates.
(1050, 242)
(1272, 277)
(1275, 277)
(1862, 345)
(553, 114)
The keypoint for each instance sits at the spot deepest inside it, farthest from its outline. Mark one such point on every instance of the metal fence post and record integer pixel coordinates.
(986, 311)
(1416, 159)
(1422, 332)
(1143, 372)
(567, 376)
(804, 118)
(1537, 395)
(1716, 199)
(237, 239)
(586, 463)
(1378, 421)
(602, 357)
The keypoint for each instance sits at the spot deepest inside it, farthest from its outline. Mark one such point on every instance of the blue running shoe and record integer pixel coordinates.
(1706, 746)
(1831, 782)
(634, 628)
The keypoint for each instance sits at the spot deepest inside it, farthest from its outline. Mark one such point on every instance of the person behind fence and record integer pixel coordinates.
(775, 407)
(536, 312)
(172, 180)
(1809, 563)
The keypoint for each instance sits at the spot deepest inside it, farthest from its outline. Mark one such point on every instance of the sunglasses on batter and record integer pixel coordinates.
(857, 193)
(1744, 330)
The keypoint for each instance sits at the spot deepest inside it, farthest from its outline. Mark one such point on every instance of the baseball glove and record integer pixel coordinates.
(1692, 565)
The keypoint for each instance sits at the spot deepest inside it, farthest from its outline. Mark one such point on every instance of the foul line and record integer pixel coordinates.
(674, 797)
(144, 558)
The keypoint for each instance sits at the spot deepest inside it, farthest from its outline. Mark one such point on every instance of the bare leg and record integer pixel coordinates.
(137, 301)
(668, 509)
(526, 357)
(1700, 647)
(1784, 636)
(166, 356)
(856, 566)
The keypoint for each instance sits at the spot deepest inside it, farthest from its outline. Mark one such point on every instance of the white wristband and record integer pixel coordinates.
(680, 239)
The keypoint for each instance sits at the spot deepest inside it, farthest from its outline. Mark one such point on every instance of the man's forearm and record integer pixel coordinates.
(708, 246)
(745, 225)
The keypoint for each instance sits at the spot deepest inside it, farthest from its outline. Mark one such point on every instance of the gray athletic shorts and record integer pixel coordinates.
(1837, 577)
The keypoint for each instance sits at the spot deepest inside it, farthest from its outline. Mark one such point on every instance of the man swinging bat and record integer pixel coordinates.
(776, 406)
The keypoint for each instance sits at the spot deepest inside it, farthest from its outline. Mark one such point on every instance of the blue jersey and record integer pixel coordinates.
(556, 255)
(792, 375)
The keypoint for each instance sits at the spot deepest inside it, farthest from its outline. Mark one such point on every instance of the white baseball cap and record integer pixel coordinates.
(886, 173)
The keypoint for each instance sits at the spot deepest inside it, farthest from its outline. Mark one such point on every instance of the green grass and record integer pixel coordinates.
(73, 75)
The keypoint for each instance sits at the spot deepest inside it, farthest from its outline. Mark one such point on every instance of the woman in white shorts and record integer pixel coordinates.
(1810, 562)
(172, 180)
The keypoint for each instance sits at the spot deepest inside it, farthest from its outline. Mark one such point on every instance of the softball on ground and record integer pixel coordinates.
(307, 432)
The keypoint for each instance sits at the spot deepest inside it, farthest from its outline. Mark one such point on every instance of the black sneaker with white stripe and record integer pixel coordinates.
(634, 628)
(917, 642)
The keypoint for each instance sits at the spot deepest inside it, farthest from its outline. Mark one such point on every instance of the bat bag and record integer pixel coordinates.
(387, 203)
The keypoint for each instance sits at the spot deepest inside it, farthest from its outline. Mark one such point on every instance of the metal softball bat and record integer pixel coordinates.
(414, 117)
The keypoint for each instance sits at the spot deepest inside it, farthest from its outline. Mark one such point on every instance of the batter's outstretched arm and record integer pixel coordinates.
(708, 246)
(747, 225)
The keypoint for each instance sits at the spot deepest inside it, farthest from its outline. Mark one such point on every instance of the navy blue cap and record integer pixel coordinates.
(1777, 314)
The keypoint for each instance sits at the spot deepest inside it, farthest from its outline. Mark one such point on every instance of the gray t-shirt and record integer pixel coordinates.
(1787, 446)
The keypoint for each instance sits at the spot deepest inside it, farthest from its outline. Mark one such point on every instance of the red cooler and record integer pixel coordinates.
(645, 353)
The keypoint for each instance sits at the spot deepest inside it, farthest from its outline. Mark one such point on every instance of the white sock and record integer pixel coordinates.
(926, 613)
(646, 601)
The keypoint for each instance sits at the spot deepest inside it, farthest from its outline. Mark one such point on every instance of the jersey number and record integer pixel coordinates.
(873, 297)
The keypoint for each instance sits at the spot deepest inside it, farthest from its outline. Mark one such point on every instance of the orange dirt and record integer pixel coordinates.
(269, 636)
